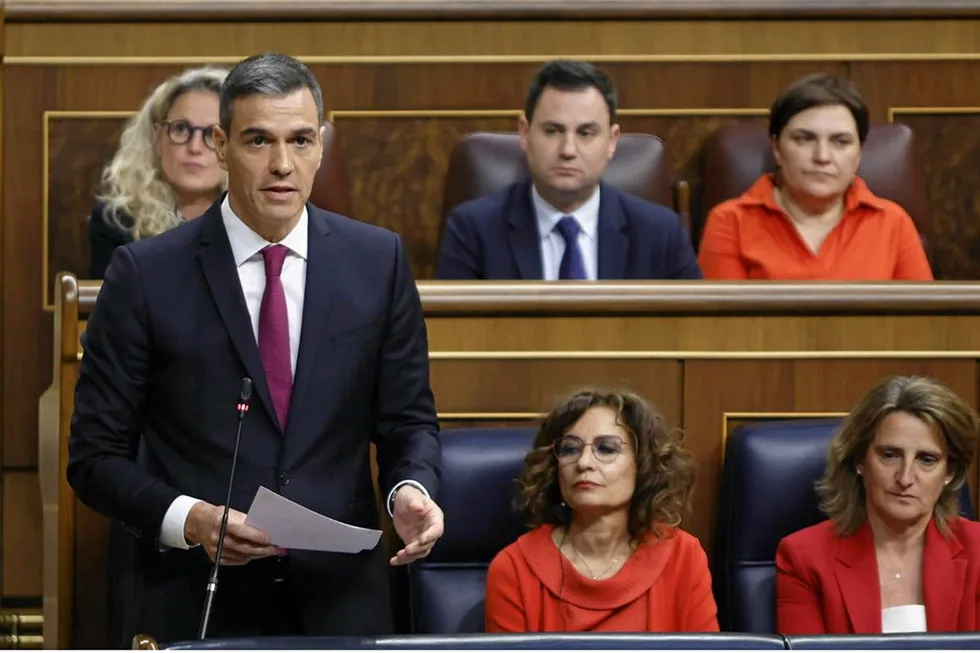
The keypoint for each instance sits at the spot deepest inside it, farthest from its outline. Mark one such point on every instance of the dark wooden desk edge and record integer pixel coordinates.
(249, 10)
(706, 298)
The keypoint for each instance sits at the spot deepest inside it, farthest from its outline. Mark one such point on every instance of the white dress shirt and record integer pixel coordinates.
(246, 247)
(552, 242)
(904, 619)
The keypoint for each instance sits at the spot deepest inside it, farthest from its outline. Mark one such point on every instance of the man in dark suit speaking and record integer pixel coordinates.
(322, 313)
(564, 223)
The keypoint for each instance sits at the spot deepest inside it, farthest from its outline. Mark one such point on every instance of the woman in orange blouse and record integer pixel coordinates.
(604, 485)
(815, 218)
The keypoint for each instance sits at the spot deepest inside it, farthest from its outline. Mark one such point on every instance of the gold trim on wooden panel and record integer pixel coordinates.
(924, 111)
(503, 59)
(45, 183)
(697, 355)
(767, 417)
(424, 113)
(504, 417)
(516, 113)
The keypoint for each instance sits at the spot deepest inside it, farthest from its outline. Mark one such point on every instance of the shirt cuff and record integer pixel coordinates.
(172, 529)
(391, 495)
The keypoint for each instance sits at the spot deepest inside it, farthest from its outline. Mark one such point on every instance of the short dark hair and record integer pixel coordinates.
(568, 75)
(818, 90)
(272, 74)
(665, 472)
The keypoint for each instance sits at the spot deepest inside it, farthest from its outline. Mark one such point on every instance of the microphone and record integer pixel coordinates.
(243, 398)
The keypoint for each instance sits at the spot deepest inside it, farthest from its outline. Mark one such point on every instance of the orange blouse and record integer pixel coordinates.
(665, 586)
(750, 237)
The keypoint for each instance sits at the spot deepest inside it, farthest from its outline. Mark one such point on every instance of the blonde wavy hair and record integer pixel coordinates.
(841, 489)
(132, 184)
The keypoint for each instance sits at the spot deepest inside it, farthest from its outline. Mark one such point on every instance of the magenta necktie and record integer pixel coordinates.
(274, 333)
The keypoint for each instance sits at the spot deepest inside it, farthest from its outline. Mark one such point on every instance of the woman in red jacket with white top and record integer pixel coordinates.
(895, 555)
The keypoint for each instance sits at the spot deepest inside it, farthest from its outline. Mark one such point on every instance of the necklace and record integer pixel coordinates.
(612, 563)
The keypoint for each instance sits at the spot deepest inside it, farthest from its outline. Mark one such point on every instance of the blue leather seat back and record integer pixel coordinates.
(527, 642)
(479, 469)
(767, 492)
(896, 642)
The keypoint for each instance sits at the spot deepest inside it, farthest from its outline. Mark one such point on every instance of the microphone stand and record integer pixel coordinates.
(212, 588)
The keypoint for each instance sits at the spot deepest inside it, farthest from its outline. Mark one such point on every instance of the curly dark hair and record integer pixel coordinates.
(665, 472)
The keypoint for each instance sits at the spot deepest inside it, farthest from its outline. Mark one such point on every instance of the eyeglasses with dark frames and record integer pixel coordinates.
(181, 132)
(606, 448)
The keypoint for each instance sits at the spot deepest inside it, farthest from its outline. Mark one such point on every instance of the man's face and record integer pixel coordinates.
(568, 143)
(272, 153)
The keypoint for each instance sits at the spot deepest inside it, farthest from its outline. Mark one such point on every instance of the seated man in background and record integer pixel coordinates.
(815, 218)
(165, 170)
(604, 487)
(564, 223)
(895, 555)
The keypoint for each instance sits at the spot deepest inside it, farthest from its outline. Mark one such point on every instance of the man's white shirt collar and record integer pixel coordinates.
(548, 216)
(245, 243)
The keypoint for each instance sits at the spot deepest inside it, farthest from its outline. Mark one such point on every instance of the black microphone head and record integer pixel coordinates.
(246, 393)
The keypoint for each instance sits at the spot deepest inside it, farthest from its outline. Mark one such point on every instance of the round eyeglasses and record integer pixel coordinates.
(181, 132)
(605, 448)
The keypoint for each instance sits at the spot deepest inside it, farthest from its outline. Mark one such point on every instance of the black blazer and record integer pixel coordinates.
(103, 238)
(496, 237)
(165, 350)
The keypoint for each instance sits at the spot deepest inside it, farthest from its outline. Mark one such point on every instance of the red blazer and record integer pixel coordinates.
(829, 584)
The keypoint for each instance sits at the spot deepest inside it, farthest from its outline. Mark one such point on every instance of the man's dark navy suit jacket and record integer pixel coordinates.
(165, 351)
(496, 237)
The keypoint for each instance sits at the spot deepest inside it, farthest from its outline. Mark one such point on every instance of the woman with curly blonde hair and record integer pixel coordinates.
(604, 489)
(165, 169)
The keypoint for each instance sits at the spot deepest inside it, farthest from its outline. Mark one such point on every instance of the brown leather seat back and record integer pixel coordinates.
(330, 190)
(737, 155)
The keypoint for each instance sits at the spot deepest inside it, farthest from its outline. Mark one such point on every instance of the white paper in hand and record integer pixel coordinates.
(291, 526)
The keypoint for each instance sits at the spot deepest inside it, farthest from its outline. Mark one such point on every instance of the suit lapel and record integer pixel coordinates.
(613, 241)
(943, 574)
(218, 265)
(525, 241)
(323, 270)
(857, 576)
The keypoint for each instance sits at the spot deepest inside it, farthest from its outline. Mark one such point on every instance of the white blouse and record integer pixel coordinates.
(904, 619)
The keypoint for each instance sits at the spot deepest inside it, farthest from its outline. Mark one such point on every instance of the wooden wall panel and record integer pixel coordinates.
(951, 166)
(79, 146)
(495, 38)
(713, 388)
(397, 167)
(21, 526)
(535, 385)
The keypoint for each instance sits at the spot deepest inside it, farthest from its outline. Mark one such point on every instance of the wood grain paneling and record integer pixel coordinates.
(397, 168)
(79, 146)
(713, 388)
(21, 534)
(536, 40)
(951, 166)
(535, 386)
(100, 10)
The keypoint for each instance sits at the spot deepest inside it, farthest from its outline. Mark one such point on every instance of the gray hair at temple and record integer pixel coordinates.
(271, 74)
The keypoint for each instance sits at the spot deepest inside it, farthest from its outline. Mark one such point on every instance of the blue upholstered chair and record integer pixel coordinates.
(767, 492)
(479, 468)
